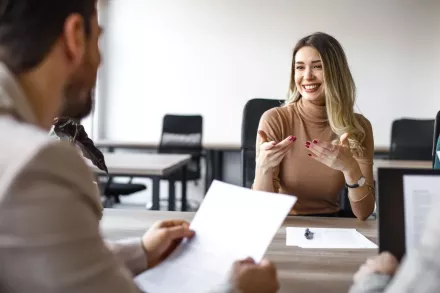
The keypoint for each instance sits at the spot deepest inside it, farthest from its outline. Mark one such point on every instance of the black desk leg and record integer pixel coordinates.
(156, 194)
(184, 200)
(219, 165)
(209, 169)
(171, 195)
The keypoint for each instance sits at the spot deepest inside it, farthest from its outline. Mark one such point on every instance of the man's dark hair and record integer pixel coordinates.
(30, 28)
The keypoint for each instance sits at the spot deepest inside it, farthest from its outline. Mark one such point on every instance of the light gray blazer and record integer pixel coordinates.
(49, 212)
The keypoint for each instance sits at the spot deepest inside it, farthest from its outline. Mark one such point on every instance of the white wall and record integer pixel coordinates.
(93, 124)
(210, 57)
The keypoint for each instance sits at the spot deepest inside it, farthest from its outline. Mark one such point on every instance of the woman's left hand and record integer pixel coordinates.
(338, 157)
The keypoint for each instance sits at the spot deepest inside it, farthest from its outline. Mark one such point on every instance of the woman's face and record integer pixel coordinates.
(309, 74)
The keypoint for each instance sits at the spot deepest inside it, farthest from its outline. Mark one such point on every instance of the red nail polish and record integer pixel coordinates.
(292, 138)
(307, 146)
(315, 141)
(307, 142)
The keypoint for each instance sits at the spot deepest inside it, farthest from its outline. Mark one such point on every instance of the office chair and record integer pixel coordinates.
(411, 139)
(182, 134)
(435, 138)
(253, 110)
(112, 190)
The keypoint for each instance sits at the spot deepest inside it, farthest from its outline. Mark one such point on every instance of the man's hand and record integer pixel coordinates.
(249, 277)
(162, 238)
(385, 263)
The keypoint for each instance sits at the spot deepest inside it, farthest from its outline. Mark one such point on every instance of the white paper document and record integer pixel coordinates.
(327, 238)
(231, 224)
(420, 192)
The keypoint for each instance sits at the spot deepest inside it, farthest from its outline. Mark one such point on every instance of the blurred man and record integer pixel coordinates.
(49, 211)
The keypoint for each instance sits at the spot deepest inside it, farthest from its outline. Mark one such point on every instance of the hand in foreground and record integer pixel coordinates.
(162, 238)
(385, 263)
(272, 152)
(338, 157)
(249, 277)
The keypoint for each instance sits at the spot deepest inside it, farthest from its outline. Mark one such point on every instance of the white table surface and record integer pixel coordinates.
(142, 164)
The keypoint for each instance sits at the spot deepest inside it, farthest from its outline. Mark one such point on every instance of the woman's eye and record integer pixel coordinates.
(299, 67)
(318, 66)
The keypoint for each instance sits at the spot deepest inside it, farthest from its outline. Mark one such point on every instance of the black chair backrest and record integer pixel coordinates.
(411, 139)
(182, 134)
(435, 137)
(253, 110)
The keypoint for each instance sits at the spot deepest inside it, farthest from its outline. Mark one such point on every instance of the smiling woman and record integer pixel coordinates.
(315, 144)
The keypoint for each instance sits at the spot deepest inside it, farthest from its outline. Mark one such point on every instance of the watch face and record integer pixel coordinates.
(361, 181)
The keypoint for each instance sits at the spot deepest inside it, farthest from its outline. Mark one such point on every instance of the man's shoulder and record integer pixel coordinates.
(23, 144)
(28, 153)
(20, 142)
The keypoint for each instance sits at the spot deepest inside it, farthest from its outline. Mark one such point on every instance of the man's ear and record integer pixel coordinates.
(75, 38)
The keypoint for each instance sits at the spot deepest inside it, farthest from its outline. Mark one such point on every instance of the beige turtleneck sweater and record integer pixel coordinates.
(316, 185)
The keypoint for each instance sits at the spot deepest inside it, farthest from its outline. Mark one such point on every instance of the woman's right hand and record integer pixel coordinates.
(271, 153)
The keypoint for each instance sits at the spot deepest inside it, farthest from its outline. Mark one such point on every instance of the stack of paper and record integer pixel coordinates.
(232, 223)
(327, 238)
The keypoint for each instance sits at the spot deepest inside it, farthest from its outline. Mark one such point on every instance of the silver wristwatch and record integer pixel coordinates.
(359, 183)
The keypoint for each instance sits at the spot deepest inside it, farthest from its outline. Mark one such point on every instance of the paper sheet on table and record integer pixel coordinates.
(420, 193)
(231, 224)
(327, 238)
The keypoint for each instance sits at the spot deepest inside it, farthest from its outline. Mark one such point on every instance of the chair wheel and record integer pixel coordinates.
(108, 203)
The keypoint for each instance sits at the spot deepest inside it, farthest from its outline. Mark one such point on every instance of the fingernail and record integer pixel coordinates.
(307, 146)
(292, 138)
(307, 142)
(315, 141)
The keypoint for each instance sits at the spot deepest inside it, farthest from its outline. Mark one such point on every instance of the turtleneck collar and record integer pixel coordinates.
(311, 112)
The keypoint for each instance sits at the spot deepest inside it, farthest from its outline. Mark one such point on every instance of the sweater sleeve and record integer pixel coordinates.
(271, 125)
(365, 206)
(372, 283)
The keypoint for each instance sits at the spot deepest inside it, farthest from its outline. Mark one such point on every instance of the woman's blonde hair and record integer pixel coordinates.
(339, 88)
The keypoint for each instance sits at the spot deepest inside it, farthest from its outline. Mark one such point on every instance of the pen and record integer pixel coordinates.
(308, 234)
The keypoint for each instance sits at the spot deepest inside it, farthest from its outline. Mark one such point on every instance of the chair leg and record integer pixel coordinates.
(184, 207)
(108, 202)
(171, 195)
(116, 198)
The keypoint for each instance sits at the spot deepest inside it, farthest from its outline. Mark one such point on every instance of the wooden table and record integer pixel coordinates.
(400, 164)
(117, 144)
(214, 154)
(155, 166)
(300, 270)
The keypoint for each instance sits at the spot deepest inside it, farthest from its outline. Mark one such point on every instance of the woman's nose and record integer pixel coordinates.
(309, 74)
